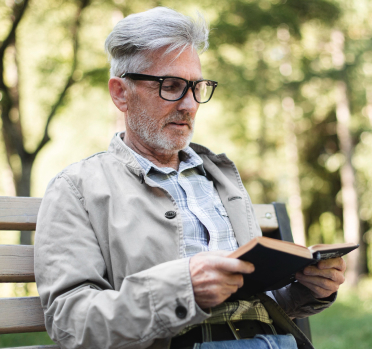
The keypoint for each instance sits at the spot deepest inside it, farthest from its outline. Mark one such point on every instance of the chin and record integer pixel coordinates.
(172, 142)
(174, 145)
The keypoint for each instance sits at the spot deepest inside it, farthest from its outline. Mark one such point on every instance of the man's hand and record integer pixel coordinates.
(324, 278)
(215, 277)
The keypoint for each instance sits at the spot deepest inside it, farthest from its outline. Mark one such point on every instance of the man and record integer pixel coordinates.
(131, 243)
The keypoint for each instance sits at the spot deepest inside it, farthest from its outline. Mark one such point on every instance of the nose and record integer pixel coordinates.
(188, 103)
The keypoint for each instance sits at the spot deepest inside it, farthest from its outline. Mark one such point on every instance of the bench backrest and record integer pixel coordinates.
(24, 314)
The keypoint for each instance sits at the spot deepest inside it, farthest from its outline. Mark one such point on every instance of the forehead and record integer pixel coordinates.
(185, 65)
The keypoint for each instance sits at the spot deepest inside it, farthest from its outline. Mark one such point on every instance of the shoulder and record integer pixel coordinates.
(204, 152)
(86, 172)
(87, 166)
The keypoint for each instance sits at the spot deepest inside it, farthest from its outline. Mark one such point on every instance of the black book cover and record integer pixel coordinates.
(332, 252)
(273, 269)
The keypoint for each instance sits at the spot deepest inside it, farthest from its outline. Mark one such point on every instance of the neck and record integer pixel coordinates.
(158, 158)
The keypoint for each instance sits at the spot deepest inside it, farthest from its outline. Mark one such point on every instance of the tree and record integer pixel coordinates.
(257, 48)
(12, 129)
(272, 53)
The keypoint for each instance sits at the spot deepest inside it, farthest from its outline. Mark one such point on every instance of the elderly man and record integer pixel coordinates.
(131, 243)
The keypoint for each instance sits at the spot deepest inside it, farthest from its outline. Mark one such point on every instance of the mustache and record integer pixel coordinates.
(179, 117)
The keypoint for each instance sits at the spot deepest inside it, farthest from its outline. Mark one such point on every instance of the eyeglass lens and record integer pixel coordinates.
(173, 88)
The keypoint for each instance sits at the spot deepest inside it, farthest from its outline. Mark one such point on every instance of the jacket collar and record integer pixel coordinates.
(121, 151)
(242, 223)
(123, 154)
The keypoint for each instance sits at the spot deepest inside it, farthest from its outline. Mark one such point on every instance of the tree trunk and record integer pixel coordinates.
(23, 188)
(293, 173)
(351, 222)
(10, 111)
(368, 107)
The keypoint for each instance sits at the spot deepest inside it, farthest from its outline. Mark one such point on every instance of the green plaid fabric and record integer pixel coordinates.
(236, 311)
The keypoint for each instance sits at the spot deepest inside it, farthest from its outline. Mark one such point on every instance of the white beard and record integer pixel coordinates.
(151, 132)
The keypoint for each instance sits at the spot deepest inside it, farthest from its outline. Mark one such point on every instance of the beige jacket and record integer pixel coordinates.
(108, 261)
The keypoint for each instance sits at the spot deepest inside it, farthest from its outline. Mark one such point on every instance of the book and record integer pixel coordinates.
(277, 261)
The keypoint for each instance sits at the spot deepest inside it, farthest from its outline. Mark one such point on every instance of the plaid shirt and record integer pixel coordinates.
(202, 213)
(206, 226)
(235, 311)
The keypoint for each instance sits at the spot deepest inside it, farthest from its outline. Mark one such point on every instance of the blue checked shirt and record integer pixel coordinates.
(206, 226)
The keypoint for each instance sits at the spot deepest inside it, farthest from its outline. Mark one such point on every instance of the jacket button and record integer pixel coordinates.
(181, 312)
(170, 214)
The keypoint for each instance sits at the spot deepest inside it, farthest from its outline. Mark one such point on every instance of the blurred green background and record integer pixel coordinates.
(293, 109)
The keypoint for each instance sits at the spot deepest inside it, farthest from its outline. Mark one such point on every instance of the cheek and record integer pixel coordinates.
(161, 110)
(155, 107)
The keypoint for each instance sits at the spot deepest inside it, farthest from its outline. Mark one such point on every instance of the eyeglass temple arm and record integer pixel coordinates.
(142, 77)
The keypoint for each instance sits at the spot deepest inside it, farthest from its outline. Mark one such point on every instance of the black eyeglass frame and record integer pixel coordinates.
(160, 79)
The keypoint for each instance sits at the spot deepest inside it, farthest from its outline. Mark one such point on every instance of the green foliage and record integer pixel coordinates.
(265, 54)
(347, 323)
(24, 339)
(239, 19)
(269, 52)
(277, 62)
(261, 52)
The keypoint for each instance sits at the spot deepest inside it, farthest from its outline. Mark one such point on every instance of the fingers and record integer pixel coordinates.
(324, 278)
(212, 295)
(214, 277)
(336, 263)
(234, 265)
(331, 274)
(332, 269)
(318, 291)
(218, 260)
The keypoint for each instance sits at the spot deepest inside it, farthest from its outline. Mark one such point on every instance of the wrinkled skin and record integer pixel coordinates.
(215, 277)
(324, 278)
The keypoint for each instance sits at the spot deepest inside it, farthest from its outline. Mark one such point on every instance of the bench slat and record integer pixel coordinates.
(18, 213)
(17, 263)
(23, 314)
(38, 347)
(266, 217)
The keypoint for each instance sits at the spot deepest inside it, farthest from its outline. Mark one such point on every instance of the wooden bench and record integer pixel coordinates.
(24, 314)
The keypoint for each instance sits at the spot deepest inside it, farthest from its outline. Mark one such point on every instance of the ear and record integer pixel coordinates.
(119, 93)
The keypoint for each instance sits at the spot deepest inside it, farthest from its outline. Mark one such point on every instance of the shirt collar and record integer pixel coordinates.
(189, 159)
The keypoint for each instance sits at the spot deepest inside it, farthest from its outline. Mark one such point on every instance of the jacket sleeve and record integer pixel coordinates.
(82, 309)
(296, 299)
(298, 302)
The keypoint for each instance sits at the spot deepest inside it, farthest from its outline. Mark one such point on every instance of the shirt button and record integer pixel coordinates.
(170, 214)
(181, 312)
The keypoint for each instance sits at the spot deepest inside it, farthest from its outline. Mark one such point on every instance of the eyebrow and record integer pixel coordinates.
(172, 76)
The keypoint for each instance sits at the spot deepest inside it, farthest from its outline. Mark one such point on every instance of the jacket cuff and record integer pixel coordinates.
(298, 301)
(172, 296)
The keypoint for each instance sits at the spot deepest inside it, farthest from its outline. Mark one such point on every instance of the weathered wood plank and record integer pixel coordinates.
(38, 347)
(23, 314)
(17, 263)
(266, 217)
(18, 213)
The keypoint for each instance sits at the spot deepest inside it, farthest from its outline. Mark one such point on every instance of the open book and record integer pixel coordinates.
(276, 262)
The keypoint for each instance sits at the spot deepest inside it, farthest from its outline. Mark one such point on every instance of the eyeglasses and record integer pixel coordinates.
(173, 89)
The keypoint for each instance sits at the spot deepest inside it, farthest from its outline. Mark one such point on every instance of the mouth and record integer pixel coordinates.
(179, 124)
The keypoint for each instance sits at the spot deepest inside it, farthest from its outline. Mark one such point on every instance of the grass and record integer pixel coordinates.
(24, 339)
(347, 324)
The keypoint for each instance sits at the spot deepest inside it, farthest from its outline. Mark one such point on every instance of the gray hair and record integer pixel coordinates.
(135, 36)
